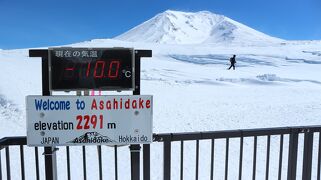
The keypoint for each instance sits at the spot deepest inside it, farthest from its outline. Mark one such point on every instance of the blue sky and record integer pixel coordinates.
(36, 23)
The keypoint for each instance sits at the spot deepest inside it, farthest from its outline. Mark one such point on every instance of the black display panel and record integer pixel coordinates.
(97, 68)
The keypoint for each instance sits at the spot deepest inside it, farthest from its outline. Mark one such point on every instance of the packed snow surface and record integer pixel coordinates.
(276, 83)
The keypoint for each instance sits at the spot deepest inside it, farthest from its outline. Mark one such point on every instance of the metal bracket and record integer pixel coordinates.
(51, 153)
(304, 130)
(134, 148)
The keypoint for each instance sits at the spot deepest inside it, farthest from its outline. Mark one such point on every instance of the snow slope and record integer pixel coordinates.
(175, 27)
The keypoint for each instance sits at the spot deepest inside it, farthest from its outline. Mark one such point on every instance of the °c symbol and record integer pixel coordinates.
(128, 74)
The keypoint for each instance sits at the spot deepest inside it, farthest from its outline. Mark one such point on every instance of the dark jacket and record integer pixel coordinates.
(232, 60)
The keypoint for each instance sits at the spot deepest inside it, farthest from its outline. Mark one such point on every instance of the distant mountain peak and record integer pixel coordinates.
(169, 11)
(177, 27)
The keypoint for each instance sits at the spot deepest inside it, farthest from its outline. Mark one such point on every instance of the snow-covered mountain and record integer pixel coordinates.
(175, 27)
(276, 84)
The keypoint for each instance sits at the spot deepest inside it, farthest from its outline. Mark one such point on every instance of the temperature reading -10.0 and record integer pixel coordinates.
(100, 69)
(97, 69)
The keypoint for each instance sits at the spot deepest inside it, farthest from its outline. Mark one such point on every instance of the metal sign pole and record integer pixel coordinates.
(49, 152)
(135, 149)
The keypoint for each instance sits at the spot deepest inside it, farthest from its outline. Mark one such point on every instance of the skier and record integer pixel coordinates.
(232, 61)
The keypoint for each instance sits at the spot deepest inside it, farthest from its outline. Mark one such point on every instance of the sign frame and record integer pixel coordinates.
(61, 123)
(49, 152)
(105, 88)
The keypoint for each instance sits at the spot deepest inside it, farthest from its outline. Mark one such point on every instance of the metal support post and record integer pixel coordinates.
(50, 155)
(146, 161)
(307, 155)
(135, 161)
(49, 152)
(293, 154)
(135, 149)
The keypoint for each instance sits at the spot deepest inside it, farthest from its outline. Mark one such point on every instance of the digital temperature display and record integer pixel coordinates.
(84, 69)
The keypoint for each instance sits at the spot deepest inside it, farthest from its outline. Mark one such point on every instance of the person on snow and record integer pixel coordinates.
(232, 61)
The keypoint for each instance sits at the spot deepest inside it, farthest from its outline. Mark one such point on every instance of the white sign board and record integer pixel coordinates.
(89, 120)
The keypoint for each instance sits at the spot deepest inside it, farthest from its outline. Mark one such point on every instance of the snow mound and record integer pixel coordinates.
(6, 106)
(175, 27)
(275, 78)
(9, 112)
(316, 53)
(301, 60)
(268, 77)
(223, 59)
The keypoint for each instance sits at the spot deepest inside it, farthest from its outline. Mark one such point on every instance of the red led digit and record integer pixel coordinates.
(69, 70)
(101, 63)
(113, 64)
(88, 70)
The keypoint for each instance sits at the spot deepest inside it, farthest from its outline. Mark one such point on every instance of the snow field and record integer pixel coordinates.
(272, 86)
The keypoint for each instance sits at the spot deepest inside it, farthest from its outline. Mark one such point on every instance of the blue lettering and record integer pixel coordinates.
(45, 106)
(52, 105)
(38, 104)
(68, 105)
(56, 105)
